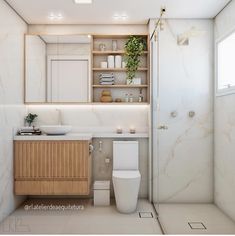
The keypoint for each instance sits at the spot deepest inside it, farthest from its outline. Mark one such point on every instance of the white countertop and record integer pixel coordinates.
(80, 136)
(71, 136)
(123, 135)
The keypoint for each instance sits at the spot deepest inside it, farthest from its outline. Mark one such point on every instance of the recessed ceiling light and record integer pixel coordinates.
(83, 1)
(54, 16)
(124, 17)
(59, 16)
(116, 17)
(120, 17)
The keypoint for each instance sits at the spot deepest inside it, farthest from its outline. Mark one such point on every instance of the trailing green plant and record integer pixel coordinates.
(134, 48)
(30, 118)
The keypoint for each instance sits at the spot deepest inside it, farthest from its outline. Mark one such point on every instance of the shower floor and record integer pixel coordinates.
(194, 219)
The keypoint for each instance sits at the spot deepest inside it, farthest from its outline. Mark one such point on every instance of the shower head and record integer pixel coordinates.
(183, 39)
(194, 32)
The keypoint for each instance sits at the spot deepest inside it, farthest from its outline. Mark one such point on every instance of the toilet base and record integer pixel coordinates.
(126, 193)
(129, 211)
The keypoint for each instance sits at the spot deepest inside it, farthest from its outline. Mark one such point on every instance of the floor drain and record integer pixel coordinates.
(196, 225)
(145, 214)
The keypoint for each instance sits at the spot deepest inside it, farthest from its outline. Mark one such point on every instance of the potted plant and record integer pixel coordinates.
(30, 118)
(134, 48)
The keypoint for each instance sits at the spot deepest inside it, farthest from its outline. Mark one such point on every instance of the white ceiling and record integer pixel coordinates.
(102, 11)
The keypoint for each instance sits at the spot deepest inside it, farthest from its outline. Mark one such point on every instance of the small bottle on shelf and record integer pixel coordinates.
(114, 45)
(131, 98)
(126, 98)
(141, 97)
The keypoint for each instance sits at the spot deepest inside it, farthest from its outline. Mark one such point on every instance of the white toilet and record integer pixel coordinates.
(126, 175)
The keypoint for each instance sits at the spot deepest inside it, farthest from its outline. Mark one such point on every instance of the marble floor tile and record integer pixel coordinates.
(87, 220)
(175, 219)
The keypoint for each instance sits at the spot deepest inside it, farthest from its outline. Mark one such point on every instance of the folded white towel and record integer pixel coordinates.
(107, 80)
(107, 83)
(106, 75)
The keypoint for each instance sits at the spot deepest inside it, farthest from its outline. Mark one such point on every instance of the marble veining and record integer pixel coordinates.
(183, 158)
(224, 154)
(12, 110)
(225, 128)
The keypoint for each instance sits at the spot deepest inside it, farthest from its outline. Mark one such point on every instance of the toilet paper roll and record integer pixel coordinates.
(110, 61)
(104, 64)
(118, 61)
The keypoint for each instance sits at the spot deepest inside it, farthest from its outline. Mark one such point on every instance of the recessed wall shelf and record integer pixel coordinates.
(120, 89)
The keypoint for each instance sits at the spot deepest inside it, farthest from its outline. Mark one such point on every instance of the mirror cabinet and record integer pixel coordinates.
(70, 69)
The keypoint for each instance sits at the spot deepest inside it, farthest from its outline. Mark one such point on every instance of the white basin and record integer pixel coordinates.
(56, 129)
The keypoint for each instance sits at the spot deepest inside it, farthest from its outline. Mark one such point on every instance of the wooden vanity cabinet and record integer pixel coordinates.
(52, 167)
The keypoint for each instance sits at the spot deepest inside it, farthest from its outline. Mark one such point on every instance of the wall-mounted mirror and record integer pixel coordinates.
(57, 68)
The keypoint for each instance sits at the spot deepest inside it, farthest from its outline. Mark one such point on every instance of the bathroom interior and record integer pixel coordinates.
(143, 142)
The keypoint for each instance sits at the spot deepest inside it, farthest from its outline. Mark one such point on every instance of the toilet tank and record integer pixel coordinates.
(125, 155)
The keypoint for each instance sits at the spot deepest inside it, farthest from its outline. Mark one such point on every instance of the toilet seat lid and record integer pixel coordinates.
(126, 174)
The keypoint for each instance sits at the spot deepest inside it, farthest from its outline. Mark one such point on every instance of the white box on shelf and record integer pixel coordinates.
(111, 61)
(101, 193)
(136, 81)
(104, 64)
(118, 61)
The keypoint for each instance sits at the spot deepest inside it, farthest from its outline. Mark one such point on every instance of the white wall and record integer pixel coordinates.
(183, 161)
(12, 30)
(225, 129)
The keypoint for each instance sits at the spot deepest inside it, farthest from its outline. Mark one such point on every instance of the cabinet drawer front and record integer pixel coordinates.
(71, 188)
(52, 187)
(51, 159)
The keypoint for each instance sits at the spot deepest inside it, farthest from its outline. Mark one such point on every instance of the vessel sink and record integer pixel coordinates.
(56, 129)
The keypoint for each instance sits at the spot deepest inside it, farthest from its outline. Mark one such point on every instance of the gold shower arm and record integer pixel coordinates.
(163, 10)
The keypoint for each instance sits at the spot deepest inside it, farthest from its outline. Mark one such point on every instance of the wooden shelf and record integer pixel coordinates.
(119, 89)
(111, 52)
(116, 69)
(121, 86)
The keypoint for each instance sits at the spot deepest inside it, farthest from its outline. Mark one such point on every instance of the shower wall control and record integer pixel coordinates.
(191, 114)
(174, 114)
(163, 127)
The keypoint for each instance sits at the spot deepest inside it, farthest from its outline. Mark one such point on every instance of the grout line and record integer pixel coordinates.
(158, 220)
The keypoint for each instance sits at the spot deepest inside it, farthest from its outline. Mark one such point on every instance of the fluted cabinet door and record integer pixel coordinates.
(57, 161)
